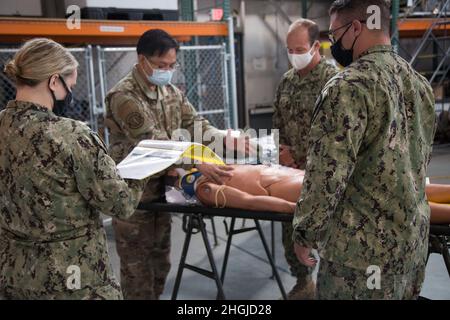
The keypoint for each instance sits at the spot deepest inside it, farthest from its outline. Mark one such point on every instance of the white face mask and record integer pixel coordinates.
(301, 61)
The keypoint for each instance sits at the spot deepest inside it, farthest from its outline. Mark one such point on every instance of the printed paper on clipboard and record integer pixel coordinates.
(152, 156)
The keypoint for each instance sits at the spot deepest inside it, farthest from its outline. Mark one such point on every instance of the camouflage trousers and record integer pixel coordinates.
(143, 245)
(301, 272)
(336, 282)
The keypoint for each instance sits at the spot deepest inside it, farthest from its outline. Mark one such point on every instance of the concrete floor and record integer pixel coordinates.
(248, 274)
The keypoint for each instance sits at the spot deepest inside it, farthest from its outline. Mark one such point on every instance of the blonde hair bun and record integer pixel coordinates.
(37, 60)
(11, 70)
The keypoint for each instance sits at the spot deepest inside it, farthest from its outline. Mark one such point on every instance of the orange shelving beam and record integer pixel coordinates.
(413, 28)
(127, 32)
(416, 27)
(102, 31)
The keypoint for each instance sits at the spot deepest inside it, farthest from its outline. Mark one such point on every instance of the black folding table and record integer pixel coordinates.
(440, 243)
(193, 222)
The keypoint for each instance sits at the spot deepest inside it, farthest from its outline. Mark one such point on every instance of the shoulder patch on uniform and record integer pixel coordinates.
(134, 120)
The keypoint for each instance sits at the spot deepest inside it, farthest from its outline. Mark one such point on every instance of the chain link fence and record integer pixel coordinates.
(202, 76)
(84, 98)
(204, 79)
(7, 88)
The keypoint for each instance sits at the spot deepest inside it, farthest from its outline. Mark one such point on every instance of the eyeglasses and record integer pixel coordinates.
(174, 66)
(331, 32)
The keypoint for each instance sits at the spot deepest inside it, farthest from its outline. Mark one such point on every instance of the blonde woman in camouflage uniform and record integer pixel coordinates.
(55, 179)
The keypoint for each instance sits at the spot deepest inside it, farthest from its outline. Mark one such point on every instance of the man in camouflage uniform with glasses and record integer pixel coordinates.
(363, 203)
(145, 105)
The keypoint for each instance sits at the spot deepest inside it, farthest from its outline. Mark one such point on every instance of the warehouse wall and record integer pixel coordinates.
(20, 7)
(34, 7)
(135, 4)
(265, 49)
(264, 28)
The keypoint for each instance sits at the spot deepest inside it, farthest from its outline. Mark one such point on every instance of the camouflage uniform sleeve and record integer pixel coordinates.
(98, 180)
(189, 116)
(277, 122)
(338, 126)
(331, 72)
(131, 118)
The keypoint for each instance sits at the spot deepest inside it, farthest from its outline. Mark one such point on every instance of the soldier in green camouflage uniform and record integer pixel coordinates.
(55, 179)
(136, 110)
(363, 203)
(293, 106)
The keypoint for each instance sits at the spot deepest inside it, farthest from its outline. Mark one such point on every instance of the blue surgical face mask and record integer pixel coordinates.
(160, 77)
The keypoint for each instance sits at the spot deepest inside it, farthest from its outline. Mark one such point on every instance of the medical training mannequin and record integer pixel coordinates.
(277, 188)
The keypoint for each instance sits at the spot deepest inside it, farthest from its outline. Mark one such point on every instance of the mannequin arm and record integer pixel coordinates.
(439, 193)
(233, 198)
(440, 213)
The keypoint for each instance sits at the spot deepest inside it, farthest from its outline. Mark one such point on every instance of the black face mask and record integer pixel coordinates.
(343, 56)
(60, 106)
